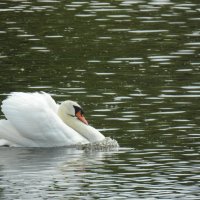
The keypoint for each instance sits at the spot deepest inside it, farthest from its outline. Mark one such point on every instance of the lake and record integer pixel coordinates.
(134, 66)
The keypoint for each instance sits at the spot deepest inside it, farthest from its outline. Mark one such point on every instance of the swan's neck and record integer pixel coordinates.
(86, 131)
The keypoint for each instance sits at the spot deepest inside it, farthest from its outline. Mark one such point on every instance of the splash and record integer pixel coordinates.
(107, 144)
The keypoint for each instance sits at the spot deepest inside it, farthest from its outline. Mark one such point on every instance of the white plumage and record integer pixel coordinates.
(33, 121)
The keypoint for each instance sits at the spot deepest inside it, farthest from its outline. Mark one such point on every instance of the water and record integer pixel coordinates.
(134, 66)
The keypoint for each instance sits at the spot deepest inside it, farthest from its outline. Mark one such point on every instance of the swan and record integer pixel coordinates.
(36, 120)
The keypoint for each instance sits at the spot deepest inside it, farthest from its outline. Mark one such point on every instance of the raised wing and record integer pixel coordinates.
(34, 116)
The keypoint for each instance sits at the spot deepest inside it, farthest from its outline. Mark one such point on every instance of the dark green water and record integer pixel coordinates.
(135, 68)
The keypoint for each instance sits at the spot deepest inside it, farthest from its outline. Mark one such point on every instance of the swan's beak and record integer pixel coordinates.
(81, 118)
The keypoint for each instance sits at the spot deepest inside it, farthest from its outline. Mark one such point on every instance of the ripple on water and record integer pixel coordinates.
(137, 63)
(151, 172)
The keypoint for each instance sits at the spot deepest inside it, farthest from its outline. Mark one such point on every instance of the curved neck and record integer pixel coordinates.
(86, 131)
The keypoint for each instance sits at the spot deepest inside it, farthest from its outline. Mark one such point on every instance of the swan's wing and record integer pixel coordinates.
(12, 137)
(33, 116)
(50, 101)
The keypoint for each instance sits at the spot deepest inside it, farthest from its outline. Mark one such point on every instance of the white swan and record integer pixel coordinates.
(35, 120)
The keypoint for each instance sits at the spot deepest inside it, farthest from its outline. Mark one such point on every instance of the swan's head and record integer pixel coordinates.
(73, 109)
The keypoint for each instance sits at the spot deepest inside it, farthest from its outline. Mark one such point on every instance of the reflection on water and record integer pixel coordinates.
(134, 66)
(69, 173)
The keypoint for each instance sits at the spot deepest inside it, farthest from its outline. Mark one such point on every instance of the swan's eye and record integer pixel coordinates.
(78, 109)
(81, 112)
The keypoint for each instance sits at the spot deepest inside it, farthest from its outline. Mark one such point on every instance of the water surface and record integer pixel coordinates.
(134, 66)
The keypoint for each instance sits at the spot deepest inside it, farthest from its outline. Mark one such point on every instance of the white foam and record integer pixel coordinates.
(104, 145)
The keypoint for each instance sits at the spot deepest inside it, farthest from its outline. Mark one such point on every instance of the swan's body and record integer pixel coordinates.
(35, 120)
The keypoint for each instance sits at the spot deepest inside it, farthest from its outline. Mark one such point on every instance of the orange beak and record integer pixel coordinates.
(81, 118)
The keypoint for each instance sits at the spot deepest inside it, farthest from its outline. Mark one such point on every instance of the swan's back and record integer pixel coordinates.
(34, 117)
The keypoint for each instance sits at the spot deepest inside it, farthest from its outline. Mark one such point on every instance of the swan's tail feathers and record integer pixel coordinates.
(11, 137)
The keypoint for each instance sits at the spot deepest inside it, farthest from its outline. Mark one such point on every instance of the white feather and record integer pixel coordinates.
(33, 121)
